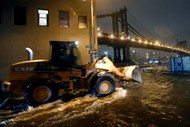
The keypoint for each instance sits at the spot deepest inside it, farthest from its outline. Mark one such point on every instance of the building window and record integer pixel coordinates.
(82, 20)
(63, 18)
(20, 15)
(43, 18)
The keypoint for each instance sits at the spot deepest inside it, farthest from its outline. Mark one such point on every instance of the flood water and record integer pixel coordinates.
(162, 100)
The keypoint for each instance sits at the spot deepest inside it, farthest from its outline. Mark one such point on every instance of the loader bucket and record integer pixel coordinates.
(132, 72)
(127, 73)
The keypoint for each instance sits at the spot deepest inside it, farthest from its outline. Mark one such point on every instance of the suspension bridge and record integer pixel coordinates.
(121, 41)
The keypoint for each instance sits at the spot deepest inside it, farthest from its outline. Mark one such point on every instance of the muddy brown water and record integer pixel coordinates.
(162, 100)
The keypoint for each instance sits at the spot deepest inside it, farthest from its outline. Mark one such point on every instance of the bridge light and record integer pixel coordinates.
(157, 43)
(133, 39)
(140, 41)
(122, 38)
(146, 42)
(111, 36)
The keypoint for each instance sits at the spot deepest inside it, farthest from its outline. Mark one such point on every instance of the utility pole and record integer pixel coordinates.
(93, 40)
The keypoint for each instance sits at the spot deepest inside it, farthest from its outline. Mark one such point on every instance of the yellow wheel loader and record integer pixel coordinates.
(43, 81)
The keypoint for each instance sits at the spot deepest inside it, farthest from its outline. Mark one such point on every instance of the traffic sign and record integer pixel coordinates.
(88, 46)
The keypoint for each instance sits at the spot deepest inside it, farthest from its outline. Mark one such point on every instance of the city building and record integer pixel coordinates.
(151, 58)
(34, 23)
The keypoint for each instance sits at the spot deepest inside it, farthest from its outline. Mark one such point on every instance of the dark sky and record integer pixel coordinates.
(166, 20)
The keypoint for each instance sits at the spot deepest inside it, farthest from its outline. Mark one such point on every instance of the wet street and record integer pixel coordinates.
(162, 100)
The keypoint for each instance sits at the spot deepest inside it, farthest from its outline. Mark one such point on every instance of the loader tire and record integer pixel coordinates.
(40, 92)
(104, 85)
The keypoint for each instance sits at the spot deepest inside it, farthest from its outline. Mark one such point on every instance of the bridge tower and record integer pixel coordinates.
(121, 27)
(120, 18)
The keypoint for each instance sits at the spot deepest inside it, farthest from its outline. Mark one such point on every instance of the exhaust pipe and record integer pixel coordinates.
(30, 53)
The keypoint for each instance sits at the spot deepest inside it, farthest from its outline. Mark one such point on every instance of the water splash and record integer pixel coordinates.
(64, 111)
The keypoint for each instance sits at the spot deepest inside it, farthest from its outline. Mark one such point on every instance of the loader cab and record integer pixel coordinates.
(65, 55)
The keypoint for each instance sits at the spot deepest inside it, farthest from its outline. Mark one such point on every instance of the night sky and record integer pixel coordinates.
(165, 20)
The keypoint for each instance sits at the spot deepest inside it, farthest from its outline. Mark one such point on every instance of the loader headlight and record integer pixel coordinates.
(77, 43)
(5, 86)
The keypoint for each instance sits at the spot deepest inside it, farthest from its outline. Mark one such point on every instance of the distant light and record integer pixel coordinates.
(133, 51)
(106, 53)
(133, 39)
(99, 34)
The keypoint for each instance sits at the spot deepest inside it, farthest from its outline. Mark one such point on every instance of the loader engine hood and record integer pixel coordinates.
(32, 65)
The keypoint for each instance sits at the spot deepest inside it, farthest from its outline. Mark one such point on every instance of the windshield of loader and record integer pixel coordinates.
(65, 55)
(76, 56)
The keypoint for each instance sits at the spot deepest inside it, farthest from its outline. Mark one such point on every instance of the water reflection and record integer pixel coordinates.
(161, 101)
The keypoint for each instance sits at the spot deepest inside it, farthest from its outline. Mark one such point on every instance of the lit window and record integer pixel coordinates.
(82, 21)
(63, 18)
(20, 15)
(43, 17)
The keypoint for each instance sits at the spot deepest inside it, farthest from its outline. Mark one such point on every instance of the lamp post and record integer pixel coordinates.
(92, 34)
(91, 24)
